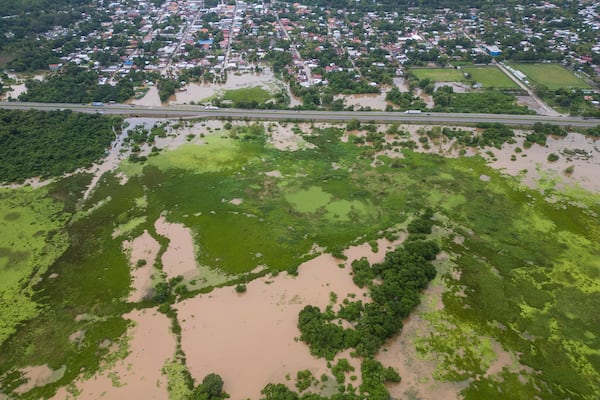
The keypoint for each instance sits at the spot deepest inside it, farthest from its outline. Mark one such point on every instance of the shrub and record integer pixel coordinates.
(240, 288)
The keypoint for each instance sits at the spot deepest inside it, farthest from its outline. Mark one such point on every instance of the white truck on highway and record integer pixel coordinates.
(412, 112)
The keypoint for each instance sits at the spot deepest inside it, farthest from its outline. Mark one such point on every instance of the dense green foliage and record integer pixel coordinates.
(167, 88)
(211, 388)
(76, 85)
(487, 101)
(45, 144)
(595, 131)
(488, 135)
(22, 18)
(403, 274)
(405, 100)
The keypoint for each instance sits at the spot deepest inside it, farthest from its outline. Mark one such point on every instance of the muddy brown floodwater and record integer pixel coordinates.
(143, 247)
(139, 375)
(179, 258)
(250, 338)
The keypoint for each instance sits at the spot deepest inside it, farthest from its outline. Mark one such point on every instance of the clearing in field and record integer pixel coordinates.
(439, 74)
(490, 77)
(553, 76)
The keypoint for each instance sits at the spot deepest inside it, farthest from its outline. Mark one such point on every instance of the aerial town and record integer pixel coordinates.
(322, 53)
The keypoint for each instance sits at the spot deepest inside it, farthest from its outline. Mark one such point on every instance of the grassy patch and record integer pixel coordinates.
(553, 76)
(490, 77)
(439, 74)
(32, 238)
(308, 200)
(246, 97)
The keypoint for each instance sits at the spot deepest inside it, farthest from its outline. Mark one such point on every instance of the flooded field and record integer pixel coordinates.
(358, 101)
(203, 92)
(199, 259)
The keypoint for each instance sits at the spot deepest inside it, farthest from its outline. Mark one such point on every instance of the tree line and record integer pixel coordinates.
(51, 143)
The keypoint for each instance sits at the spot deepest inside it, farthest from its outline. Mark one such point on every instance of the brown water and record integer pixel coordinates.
(139, 375)
(249, 338)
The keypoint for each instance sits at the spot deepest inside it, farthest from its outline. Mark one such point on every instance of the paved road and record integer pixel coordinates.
(188, 111)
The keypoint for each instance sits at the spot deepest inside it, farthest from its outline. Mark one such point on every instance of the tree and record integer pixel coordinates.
(278, 392)
(213, 385)
(353, 124)
(211, 388)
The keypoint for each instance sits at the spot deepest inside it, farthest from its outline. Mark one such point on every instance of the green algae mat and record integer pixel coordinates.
(524, 280)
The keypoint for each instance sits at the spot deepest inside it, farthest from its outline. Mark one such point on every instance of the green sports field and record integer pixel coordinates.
(553, 76)
(490, 77)
(438, 74)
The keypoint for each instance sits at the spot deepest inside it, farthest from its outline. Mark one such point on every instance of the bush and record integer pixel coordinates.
(240, 288)
(552, 157)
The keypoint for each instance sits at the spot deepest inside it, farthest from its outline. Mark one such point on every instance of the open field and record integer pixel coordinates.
(553, 76)
(247, 95)
(517, 276)
(490, 77)
(439, 74)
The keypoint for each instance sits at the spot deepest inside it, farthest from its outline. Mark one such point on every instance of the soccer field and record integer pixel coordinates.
(553, 76)
(438, 74)
(490, 77)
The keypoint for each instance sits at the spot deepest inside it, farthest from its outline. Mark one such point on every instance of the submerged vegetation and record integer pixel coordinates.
(525, 273)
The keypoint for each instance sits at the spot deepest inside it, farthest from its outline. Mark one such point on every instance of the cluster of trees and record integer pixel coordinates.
(492, 134)
(541, 131)
(403, 274)
(394, 286)
(487, 101)
(20, 19)
(211, 388)
(595, 131)
(374, 377)
(405, 100)
(47, 144)
(348, 83)
(167, 88)
(570, 99)
(76, 85)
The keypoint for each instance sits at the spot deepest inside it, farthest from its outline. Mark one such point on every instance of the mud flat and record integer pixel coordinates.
(139, 375)
(179, 258)
(374, 101)
(151, 98)
(248, 338)
(283, 138)
(39, 375)
(533, 162)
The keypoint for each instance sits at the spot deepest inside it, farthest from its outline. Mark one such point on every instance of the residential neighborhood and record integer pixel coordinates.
(320, 52)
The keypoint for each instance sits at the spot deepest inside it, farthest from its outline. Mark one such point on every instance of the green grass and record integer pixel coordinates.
(32, 238)
(490, 77)
(247, 95)
(553, 76)
(308, 200)
(439, 74)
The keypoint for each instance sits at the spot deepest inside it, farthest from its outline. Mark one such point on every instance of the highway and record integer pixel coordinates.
(189, 111)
